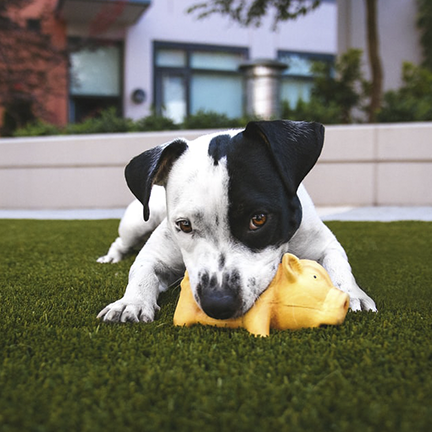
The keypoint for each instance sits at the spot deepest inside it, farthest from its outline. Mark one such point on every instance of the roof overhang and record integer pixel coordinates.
(102, 12)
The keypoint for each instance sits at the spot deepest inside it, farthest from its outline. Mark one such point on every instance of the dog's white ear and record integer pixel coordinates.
(152, 167)
(294, 146)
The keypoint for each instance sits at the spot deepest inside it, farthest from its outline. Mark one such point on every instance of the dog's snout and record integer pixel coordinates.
(219, 301)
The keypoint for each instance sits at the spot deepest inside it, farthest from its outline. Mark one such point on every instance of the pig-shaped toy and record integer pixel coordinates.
(300, 295)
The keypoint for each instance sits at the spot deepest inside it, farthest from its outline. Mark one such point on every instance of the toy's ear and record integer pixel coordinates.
(295, 147)
(152, 167)
(292, 267)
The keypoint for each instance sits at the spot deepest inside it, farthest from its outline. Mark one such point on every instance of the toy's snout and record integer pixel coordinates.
(335, 307)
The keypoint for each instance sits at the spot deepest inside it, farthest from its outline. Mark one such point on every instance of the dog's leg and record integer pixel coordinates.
(315, 241)
(335, 261)
(324, 248)
(133, 231)
(156, 267)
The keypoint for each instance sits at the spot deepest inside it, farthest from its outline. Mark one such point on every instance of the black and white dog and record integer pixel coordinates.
(231, 206)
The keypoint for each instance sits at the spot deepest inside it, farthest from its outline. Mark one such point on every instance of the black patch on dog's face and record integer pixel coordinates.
(266, 164)
(255, 187)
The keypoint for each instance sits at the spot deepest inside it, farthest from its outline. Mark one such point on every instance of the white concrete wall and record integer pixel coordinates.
(82, 171)
(374, 165)
(360, 165)
(167, 20)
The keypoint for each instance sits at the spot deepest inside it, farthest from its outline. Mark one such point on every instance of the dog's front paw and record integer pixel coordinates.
(117, 251)
(362, 302)
(126, 311)
(110, 258)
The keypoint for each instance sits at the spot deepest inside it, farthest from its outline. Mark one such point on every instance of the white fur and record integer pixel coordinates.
(197, 190)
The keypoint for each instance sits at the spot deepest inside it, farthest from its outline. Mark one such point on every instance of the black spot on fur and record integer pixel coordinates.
(204, 278)
(221, 261)
(198, 217)
(218, 147)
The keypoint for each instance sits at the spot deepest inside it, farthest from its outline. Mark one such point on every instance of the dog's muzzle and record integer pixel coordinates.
(220, 301)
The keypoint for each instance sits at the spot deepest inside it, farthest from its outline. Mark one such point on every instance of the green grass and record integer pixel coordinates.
(63, 370)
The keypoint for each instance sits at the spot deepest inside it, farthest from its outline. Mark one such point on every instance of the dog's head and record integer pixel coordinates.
(232, 205)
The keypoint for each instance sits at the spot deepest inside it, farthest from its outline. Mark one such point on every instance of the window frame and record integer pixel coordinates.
(313, 56)
(76, 44)
(329, 58)
(187, 71)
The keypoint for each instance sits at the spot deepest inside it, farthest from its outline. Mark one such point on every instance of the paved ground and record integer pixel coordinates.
(63, 214)
(384, 214)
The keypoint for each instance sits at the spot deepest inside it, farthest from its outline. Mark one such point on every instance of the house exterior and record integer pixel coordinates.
(184, 64)
(142, 56)
(399, 38)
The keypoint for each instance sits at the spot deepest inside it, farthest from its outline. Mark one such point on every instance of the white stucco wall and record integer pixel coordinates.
(361, 165)
(398, 34)
(167, 20)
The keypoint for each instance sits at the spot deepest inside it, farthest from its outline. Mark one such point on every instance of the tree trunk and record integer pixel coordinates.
(374, 58)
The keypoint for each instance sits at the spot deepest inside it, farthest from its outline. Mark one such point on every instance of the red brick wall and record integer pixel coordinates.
(39, 70)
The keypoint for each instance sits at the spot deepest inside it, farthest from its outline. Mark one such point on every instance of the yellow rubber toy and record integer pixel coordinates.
(300, 295)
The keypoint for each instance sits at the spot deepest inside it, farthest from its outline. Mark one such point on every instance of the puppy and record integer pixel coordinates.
(234, 206)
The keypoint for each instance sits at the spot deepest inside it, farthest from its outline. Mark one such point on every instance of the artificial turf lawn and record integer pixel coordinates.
(63, 370)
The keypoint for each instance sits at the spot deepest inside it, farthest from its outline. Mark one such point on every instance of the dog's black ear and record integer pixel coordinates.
(295, 147)
(152, 167)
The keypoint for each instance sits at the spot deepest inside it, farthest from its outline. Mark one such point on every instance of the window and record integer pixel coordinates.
(297, 80)
(95, 81)
(190, 78)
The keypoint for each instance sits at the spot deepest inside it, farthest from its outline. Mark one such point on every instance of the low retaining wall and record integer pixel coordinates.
(360, 165)
(381, 165)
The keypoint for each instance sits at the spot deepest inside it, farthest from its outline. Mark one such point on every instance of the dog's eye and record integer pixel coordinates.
(257, 221)
(184, 225)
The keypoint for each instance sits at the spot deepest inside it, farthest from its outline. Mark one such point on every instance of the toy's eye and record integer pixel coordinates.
(315, 276)
(184, 225)
(257, 221)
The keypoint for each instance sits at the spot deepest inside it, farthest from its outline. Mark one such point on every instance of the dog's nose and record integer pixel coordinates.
(220, 303)
(220, 299)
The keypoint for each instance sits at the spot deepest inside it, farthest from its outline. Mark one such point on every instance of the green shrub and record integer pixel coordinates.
(210, 120)
(155, 122)
(412, 101)
(110, 122)
(107, 122)
(314, 110)
(38, 128)
(336, 92)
